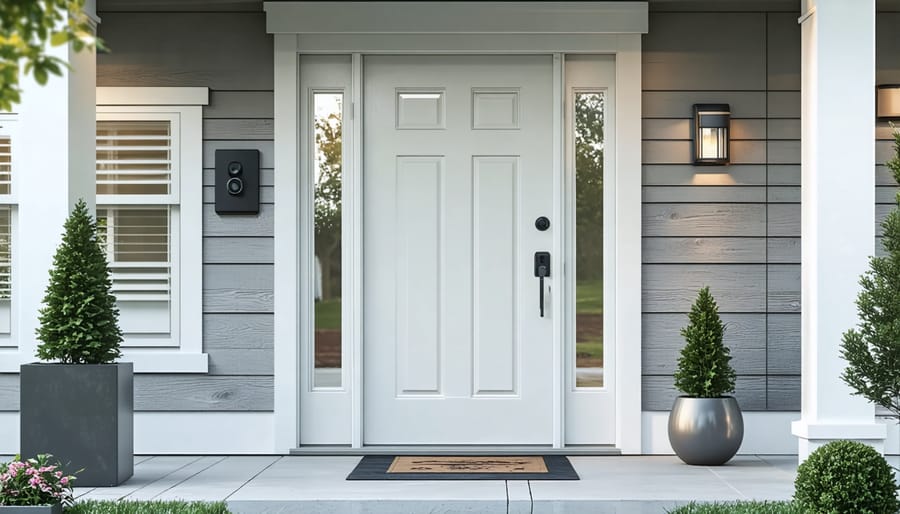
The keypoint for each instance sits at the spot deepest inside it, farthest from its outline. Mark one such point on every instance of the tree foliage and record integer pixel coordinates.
(79, 321)
(872, 349)
(704, 368)
(328, 200)
(25, 28)
(589, 186)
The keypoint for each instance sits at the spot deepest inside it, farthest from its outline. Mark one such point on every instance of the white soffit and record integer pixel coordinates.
(456, 17)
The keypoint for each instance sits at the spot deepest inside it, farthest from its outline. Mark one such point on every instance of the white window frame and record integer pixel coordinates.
(183, 106)
(9, 123)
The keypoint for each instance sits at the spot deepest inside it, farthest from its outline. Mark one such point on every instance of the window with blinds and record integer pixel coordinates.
(134, 157)
(8, 138)
(5, 165)
(136, 168)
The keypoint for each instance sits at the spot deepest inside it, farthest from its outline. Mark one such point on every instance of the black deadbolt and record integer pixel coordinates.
(542, 223)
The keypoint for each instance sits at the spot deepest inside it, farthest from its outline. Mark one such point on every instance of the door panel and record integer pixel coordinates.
(457, 165)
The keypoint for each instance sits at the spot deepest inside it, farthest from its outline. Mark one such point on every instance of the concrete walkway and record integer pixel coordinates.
(294, 484)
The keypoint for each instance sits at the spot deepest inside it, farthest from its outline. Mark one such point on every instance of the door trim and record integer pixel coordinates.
(290, 43)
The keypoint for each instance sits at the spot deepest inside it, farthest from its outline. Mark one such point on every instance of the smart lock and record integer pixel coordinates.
(541, 270)
(237, 181)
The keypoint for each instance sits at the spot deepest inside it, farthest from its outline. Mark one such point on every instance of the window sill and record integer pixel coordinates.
(144, 361)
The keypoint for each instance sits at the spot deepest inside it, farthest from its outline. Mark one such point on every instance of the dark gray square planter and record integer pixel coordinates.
(31, 509)
(83, 414)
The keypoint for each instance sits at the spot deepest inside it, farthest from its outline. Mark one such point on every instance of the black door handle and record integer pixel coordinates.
(541, 270)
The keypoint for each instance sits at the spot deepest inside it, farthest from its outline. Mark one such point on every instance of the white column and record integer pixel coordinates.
(57, 136)
(838, 211)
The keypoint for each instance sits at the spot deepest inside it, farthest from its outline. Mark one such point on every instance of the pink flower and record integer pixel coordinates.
(64, 480)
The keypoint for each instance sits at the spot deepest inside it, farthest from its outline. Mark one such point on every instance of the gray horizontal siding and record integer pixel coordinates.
(230, 53)
(222, 51)
(735, 229)
(161, 392)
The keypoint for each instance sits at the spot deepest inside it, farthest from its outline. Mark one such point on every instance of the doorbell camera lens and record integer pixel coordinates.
(235, 168)
(234, 186)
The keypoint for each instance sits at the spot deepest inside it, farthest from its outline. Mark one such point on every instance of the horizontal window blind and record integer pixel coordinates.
(5, 253)
(5, 165)
(138, 248)
(134, 157)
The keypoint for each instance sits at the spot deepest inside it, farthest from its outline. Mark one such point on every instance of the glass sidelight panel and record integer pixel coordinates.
(328, 108)
(589, 239)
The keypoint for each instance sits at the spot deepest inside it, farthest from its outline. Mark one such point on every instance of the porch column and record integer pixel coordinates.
(837, 213)
(58, 145)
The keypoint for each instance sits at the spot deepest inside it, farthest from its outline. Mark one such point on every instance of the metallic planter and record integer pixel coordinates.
(31, 509)
(706, 431)
(82, 414)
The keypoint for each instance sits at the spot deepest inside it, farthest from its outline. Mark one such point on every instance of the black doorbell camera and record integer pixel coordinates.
(237, 181)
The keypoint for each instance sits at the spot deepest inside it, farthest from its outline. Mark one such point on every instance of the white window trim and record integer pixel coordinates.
(9, 123)
(186, 353)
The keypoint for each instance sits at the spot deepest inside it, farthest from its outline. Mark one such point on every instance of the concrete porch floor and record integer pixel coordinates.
(286, 484)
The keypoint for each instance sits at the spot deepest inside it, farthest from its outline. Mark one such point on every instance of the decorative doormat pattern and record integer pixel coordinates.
(390, 467)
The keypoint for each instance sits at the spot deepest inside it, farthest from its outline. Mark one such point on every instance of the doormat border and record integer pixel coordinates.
(375, 467)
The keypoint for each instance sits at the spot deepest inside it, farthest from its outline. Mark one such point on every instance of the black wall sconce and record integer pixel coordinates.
(887, 102)
(711, 134)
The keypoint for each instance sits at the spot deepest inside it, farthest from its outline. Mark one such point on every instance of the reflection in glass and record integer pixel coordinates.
(589, 239)
(328, 160)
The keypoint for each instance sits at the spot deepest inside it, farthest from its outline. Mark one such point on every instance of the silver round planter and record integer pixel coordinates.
(706, 431)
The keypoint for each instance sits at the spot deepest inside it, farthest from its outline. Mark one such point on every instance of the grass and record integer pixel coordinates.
(147, 507)
(328, 314)
(740, 508)
(589, 297)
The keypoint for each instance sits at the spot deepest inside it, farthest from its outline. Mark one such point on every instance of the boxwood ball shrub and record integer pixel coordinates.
(846, 476)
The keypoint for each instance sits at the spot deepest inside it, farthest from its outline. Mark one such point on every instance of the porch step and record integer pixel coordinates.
(438, 506)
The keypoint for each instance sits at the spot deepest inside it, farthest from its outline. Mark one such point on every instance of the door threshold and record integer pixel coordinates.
(598, 450)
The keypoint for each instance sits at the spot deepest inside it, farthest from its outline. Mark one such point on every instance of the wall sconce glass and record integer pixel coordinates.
(711, 139)
(887, 102)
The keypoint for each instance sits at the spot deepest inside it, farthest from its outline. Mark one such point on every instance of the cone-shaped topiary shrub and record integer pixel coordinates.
(872, 350)
(704, 368)
(79, 321)
(846, 476)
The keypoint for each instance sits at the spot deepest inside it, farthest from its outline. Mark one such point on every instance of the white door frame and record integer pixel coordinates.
(359, 28)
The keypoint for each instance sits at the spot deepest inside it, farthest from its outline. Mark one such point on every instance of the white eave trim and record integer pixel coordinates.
(456, 17)
(152, 96)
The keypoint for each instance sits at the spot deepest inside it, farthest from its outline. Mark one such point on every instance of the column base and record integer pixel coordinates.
(812, 435)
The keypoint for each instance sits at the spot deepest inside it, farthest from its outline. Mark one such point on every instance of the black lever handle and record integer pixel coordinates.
(541, 270)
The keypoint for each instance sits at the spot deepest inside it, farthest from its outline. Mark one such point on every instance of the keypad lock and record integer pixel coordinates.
(541, 271)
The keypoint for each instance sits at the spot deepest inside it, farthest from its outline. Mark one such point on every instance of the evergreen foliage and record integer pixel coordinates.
(846, 476)
(79, 321)
(872, 350)
(704, 368)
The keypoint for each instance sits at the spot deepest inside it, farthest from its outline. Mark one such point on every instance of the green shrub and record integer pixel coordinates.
(872, 349)
(704, 368)
(846, 476)
(740, 508)
(147, 507)
(79, 321)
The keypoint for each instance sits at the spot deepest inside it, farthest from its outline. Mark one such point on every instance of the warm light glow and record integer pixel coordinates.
(712, 143)
(712, 179)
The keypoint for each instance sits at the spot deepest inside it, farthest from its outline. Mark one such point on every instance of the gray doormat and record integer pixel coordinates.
(390, 467)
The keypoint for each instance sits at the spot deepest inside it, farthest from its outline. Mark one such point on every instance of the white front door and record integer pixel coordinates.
(457, 167)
